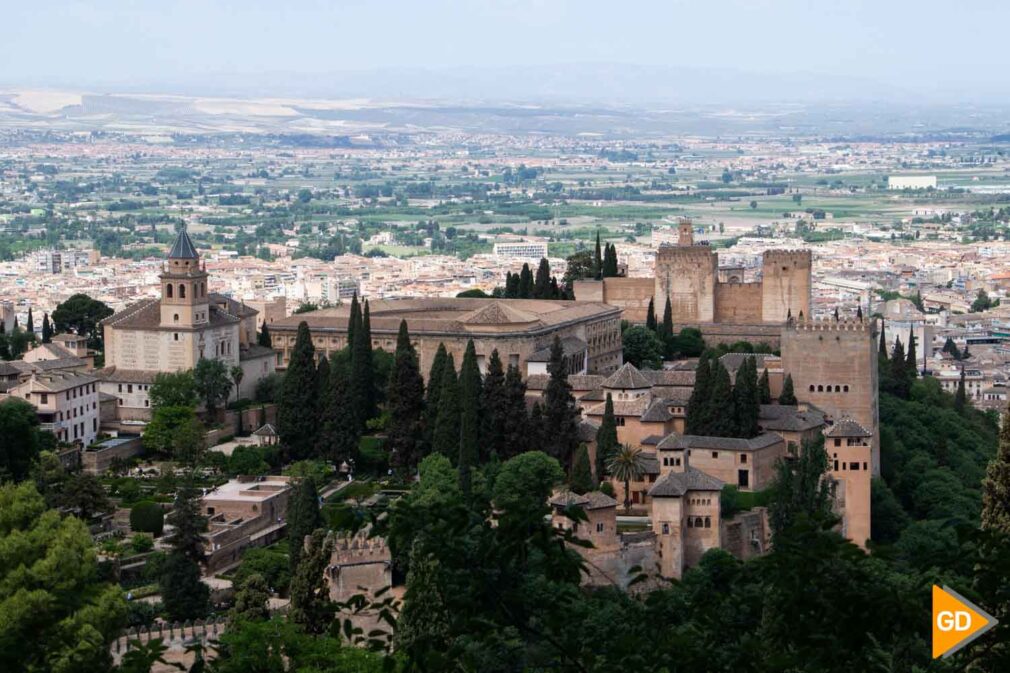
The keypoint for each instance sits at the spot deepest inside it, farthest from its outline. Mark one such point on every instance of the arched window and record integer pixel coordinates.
(690, 522)
(811, 387)
(845, 389)
(708, 522)
(168, 290)
(182, 291)
(838, 389)
(820, 389)
(698, 522)
(175, 318)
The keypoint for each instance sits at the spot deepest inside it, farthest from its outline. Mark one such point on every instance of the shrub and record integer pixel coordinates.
(147, 517)
(141, 543)
(606, 488)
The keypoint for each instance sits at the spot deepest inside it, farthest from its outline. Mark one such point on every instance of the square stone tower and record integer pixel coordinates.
(785, 284)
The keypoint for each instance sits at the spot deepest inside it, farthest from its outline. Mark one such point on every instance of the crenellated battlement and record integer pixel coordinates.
(803, 257)
(682, 253)
(359, 548)
(846, 324)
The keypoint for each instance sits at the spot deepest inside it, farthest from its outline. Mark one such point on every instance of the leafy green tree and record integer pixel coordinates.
(606, 438)
(996, 485)
(642, 347)
(627, 465)
(263, 338)
(173, 389)
(166, 421)
(581, 480)
(271, 563)
(311, 607)
(251, 599)
(445, 439)
(213, 382)
(81, 314)
(405, 403)
(58, 615)
(561, 414)
(296, 407)
(579, 266)
(423, 624)
(888, 518)
(470, 389)
(689, 342)
(304, 517)
(787, 397)
(146, 517)
(20, 438)
(183, 594)
(84, 495)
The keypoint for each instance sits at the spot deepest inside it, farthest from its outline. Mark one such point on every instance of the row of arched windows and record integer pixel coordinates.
(699, 522)
(821, 388)
(199, 290)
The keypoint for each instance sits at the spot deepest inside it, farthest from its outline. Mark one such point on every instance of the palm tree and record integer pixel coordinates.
(236, 377)
(627, 465)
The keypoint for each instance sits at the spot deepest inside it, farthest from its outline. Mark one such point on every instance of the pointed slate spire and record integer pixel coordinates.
(183, 247)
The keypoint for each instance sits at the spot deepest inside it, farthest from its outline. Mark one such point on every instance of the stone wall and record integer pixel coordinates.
(747, 534)
(97, 461)
(687, 276)
(738, 303)
(785, 281)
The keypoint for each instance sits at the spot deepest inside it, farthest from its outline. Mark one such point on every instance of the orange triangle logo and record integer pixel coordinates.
(956, 621)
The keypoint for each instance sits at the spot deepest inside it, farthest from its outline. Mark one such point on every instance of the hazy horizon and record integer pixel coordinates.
(523, 50)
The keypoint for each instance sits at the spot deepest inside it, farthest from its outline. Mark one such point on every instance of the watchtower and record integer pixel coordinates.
(184, 286)
(785, 284)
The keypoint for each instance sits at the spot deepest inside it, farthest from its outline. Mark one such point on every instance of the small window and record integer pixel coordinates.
(838, 442)
(845, 389)
(168, 291)
(210, 511)
(175, 317)
(743, 458)
(45, 398)
(182, 291)
(708, 522)
(854, 466)
(175, 336)
(811, 387)
(666, 528)
(715, 454)
(820, 389)
(599, 528)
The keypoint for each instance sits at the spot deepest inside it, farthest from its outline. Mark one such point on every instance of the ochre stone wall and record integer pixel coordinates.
(785, 284)
(738, 302)
(687, 275)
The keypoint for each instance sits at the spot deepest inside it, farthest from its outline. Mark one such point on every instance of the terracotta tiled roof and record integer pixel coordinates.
(763, 441)
(591, 500)
(847, 427)
(780, 418)
(677, 484)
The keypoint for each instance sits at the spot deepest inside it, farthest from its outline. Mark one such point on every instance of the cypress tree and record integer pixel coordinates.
(515, 421)
(961, 396)
(542, 284)
(610, 261)
(31, 322)
(47, 329)
(432, 394)
(764, 388)
(598, 259)
(362, 378)
(405, 402)
(264, 338)
(836, 314)
(555, 291)
(560, 412)
(606, 438)
(859, 312)
(445, 439)
(787, 396)
(338, 430)
(899, 378)
(311, 608)
(188, 524)
(512, 285)
(525, 282)
(882, 350)
(536, 439)
(581, 478)
(296, 408)
(493, 408)
(303, 518)
(650, 316)
(996, 485)
(911, 366)
(353, 321)
(697, 415)
(184, 596)
(666, 331)
(747, 399)
(723, 424)
(470, 409)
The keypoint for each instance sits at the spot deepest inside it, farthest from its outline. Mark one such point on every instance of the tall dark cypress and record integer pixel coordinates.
(666, 331)
(722, 424)
(264, 338)
(30, 326)
(324, 400)
(882, 351)
(542, 284)
(598, 259)
(555, 289)
(303, 518)
(606, 438)
(492, 428)
(787, 397)
(911, 366)
(296, 408)
(405, 403)
(764, 388)
(899, 375)
(362, 378)
(610, 261)
(560, 412)
(746, 399)
(47, 329)
(339, 432)
(696, 422)
(470, 409)
(525, 282)
(353, 322)
(515, 421)
(432, 395)
(650, 316)
(512, 286)
(445, 439)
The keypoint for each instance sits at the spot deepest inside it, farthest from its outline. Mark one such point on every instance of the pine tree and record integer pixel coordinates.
(311, 607)
(303, 518)
(405, 403)
(446, 436)
(996, 485)
(470, 410)
(432, 394)
(698, 418)
(787, 397)
(493, 408)
(560, 412)
(542, 284)
(764, 388)
(515, 421)
(598, 259)
(525, 282)
(361, 382)
(606, 438)
(581, 478)
(30, 326)
(264, 339)
(47, 329)
(296, 408)
(650, 315)
(723, 424)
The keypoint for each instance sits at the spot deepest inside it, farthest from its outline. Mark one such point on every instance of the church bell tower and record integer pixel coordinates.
(184, 301)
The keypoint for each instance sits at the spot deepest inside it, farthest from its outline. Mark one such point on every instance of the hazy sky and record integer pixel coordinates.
(922, 45)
